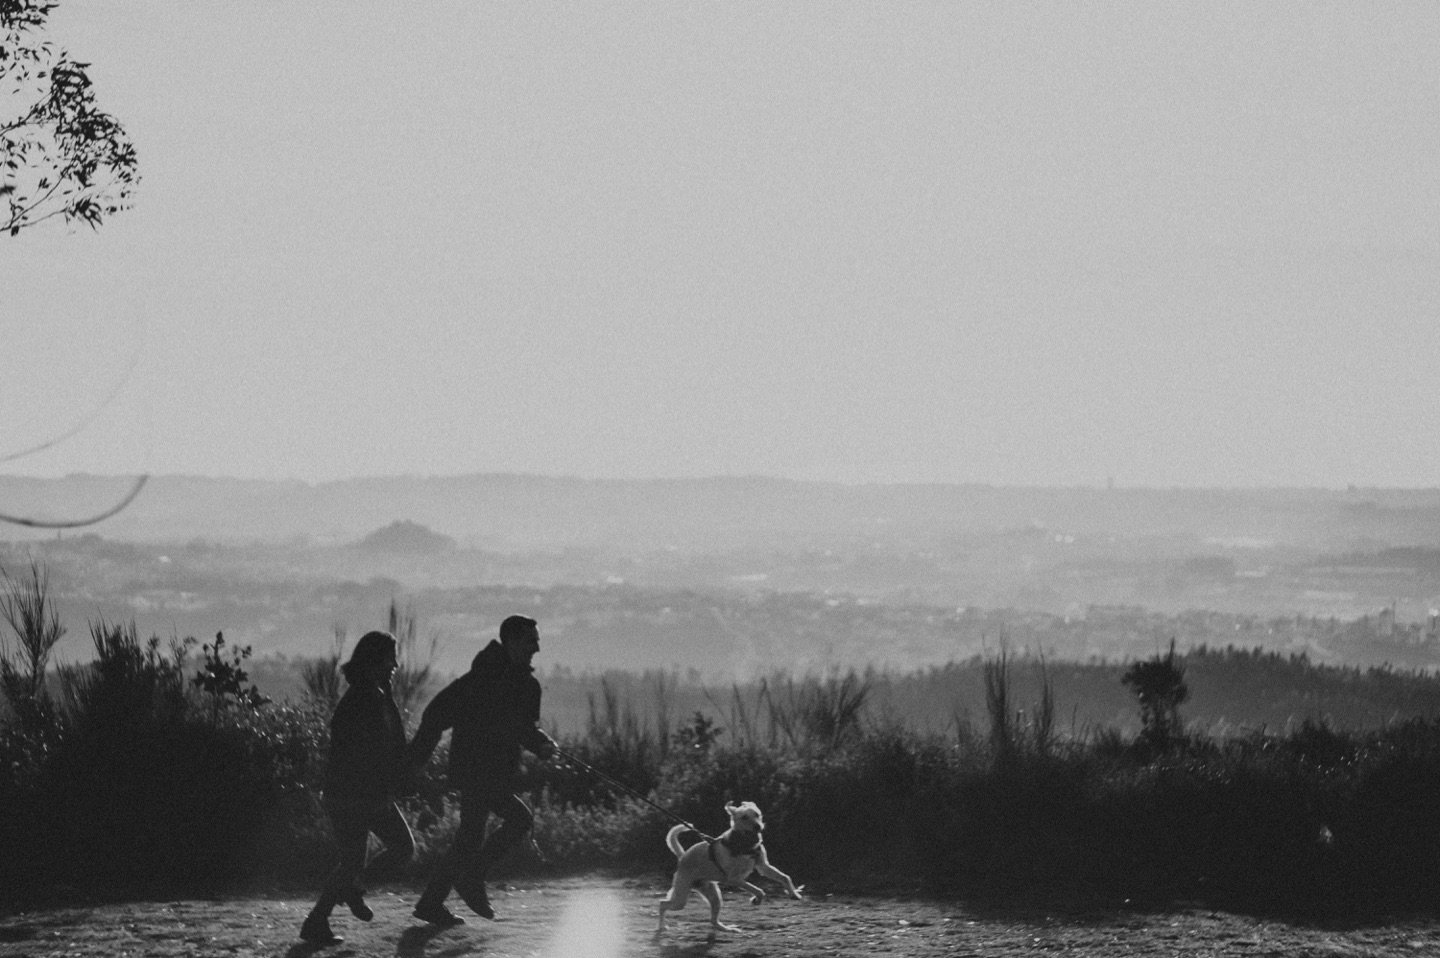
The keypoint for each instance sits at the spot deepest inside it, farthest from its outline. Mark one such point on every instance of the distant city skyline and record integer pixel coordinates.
(1067, 245)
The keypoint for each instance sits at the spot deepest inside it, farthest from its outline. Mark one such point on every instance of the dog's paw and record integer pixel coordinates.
(795, 893)
(756, 899)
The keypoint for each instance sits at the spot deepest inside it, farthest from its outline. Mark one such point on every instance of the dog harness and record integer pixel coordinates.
(743, 844)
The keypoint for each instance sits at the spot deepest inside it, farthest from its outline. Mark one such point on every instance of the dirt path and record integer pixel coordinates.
(609, 918)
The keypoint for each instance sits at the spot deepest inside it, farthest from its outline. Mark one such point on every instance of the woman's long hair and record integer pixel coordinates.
(372, 649)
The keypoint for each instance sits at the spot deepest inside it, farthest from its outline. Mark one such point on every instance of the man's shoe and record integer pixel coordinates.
(316, 931)
(437, 914)
(472, 893)
(355, 901)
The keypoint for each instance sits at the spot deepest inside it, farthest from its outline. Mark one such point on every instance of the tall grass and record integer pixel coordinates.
(321, 677)
(416, 670)
(1013, 731)
(782, 712)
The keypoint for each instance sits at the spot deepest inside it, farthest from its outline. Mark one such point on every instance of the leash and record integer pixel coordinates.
(621, 786)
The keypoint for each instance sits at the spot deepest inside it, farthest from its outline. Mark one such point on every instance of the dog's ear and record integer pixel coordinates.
(731, 808)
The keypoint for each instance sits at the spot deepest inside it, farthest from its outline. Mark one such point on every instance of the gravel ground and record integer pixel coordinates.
(608, 918)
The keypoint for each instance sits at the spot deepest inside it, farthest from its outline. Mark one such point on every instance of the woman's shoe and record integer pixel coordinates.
(316, 931)
(472, 893)
(437, 914)
(355, 901)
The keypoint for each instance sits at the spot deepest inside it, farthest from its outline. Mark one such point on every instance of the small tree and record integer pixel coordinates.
(59, 154)
(699, 735)
(222, 676)
(28, 608)
(129, 682)
(1159, 684)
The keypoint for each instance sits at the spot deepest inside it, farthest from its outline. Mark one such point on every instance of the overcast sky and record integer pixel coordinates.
(1169, 244)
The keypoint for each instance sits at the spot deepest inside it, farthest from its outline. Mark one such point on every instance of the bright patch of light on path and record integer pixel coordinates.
(590, 927)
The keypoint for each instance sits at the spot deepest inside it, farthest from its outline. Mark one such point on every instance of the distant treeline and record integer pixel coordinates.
(1232, 691)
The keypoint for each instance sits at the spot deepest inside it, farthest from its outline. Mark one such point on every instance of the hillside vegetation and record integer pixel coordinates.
(158, 766)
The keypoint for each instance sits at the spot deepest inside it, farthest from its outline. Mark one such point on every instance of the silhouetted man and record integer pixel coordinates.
(493, 711)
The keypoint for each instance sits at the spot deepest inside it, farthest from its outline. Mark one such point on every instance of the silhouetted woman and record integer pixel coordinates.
(367, 765)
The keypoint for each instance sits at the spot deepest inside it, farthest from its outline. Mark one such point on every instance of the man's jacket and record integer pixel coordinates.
(493, 711)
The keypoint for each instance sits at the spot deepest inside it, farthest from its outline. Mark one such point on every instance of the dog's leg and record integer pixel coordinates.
(757, 894)
(711, 891)
(674, 900)
(763, 866)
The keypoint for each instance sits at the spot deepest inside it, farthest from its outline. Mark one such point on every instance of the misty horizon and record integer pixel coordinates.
(1102, 486)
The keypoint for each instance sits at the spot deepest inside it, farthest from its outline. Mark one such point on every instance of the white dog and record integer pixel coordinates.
(730, 859)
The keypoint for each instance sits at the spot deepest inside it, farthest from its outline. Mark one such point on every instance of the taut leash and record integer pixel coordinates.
(621, 786)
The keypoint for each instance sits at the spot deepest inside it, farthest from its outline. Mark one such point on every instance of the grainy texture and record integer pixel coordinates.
(607, 918)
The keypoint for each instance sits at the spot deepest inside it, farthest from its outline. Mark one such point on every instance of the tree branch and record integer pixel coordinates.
(77, 523)
(19, 220)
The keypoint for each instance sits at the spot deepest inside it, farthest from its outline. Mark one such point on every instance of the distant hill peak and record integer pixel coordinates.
(406, 536)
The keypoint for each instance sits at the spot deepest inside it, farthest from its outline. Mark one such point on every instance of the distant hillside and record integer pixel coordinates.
(513, 512)
(406, 537)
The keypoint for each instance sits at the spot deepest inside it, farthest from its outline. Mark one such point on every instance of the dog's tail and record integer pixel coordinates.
(672, 839)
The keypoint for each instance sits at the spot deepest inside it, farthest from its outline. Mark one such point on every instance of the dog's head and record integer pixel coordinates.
(745, 817)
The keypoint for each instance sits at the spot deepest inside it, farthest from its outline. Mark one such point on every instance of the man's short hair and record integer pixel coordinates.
(517, 627)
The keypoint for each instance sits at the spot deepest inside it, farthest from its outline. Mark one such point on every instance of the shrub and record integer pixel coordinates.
(1159, 684)
(157, 781)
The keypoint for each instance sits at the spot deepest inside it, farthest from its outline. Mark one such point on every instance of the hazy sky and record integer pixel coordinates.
(1172, 244)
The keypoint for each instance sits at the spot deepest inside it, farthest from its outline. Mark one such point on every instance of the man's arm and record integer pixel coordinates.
(536, 741)
(532, 737)
(437, 717)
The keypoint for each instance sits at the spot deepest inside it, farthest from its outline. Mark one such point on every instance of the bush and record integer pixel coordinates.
(1159, 684)
(156, 782)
